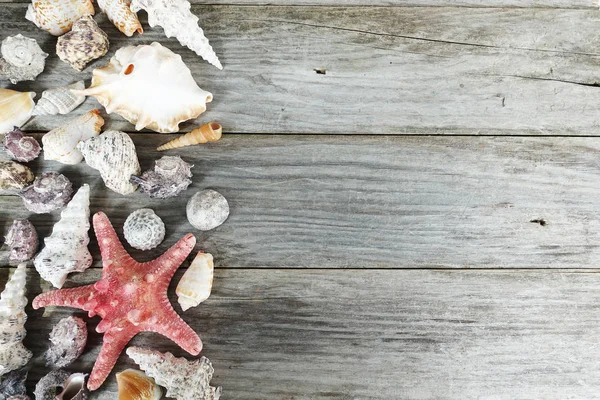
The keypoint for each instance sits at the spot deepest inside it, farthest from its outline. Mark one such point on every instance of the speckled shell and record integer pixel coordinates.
(14, 177)
(210, 132)
(57, 16)
(119, 13)
(13, 384)
(68, 339)
(59, 100)
(171, 176)
(74, 388)
(15, 109)
(60, 144)
(46, 388)
(143, 229)
(183, 379)
(131, 83)
(22, 240)
(50, 191)
(178, 21)
(66, 249)
(20, 147)
(195, 285)
(113, 154)
(19, 397)
(13, 354)
(207, 209)
(135, 385)
(86, 42)
(22, 59)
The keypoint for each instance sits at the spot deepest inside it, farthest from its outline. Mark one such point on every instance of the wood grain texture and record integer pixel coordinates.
(389, 70)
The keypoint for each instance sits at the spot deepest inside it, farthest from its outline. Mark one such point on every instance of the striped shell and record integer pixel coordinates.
(195, 285)
(59, 100)
(120, 14)
(57, 16)
(135, 385)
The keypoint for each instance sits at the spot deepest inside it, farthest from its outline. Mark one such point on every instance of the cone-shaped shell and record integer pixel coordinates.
(210, 132)
(14, 177)
(195, 285)
(119, 13)
(57, 16)
(135, 385)
(22, 240)
(59, 100)
(22, 58)
(149, 86)
(15, 109)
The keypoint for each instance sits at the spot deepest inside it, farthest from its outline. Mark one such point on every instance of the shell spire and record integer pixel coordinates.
(13, 354)
(22, 58)
(210, 132)
(119, 13)
(59, 100)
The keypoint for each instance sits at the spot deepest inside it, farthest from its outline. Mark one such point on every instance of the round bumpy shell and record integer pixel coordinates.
(20, 147)
(22, 240)
(143, 229)
(207, 209)
(68, 339)
(50, 191)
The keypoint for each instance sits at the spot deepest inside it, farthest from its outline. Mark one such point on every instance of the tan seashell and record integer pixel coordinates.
(57, 16)
(149, 86)
(59, 100)
(84, 43)
(195, 285)
(119, 13)
(22, 58)
(210, 132)
(14, 177)
(135, 385)
(60, 144)
(15, 109)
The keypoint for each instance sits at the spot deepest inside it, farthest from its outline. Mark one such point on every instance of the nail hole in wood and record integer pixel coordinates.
(540, 221)
(320, 71)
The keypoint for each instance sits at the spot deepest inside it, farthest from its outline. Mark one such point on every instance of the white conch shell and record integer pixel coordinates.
(66, 248)
(13, 354)
(57, 16)
(119, 13)
(59, 100)
(143, 229)
(15, 108)
(84, 43)
(149, 86)
(195, 285)
(60, 144)
(113, 154)
(22, 58)
(175, 17)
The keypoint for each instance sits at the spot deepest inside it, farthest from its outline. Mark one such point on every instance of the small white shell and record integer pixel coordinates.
(59, 100)
(22, 58)
(207, 209)
(15, 109)
(195, 285)
(143, 229)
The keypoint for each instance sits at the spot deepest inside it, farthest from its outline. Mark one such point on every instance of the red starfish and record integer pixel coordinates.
(131, 297)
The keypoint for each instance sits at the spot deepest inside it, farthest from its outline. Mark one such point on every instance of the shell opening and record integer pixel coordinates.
(129, 69)
(215, 126)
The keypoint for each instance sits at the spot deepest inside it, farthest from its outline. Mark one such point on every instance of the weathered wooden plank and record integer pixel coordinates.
(375, 202)
(388, 69)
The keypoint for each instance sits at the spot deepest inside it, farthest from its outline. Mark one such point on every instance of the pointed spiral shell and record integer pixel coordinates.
(22, 58)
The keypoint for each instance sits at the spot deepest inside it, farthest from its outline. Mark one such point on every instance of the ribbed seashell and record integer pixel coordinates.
(113, 154)
(20, 147)
(175, 17)
(14, 177)
(66, 249)
(57, 16)
(86, 42)
(60, 144)
(195, 285)
(13, 384)
(74, 388)
(47, 387)
(19, 397)
(22, 240)
(143, 229)
(50, 191)
(149, 86)
(13, 354)
(210, 132)
(171, 176)
(59, 100)
(15, 109)
(68, 339)
(119, 13)
(135, 385)
(207, 209)
(183, 379)
(22, 59)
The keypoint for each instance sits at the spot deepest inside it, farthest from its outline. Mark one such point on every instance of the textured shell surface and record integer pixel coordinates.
(57, 16)
(74, 388)
(68, 339)
(85, 43)
(47, 387)
(143, 229)
(20, 147)
(171, 176)
(22, 58)
(210, 132)
(60, 144)
(14, 177)
(120, 14)
(135, 385)
(150, 86)
(18, 397)
(15, 109)
(183, 379)
(13, 384)
(13, 354)
(22, 239)
(113, 154)
(195, 285)
(66, 249)
(59, 100)
(207, 209)
(176, 18)
(50, 191)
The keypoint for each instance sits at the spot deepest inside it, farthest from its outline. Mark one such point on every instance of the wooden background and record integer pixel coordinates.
(382, 242)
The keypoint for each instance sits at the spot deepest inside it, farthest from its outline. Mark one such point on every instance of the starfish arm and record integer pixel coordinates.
(75, 297)
(171, 325)
(167, 264)
(111, 248)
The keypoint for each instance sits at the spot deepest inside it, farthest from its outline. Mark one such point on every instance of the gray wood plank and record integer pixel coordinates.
(389, 70)
(374, 202)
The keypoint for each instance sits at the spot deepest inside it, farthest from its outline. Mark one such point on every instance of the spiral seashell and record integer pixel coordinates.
(86, 42)
(207, 210)
(135, 385)
(15, 109)
(20, 147)
(22, 59)
(22, 240)
(74, 388)
(57, 16)
(210, 132)
(59, 100)
(143, 229)
(195, 285)
(170, 177)
(50, 191)
(13, 385)
(14, 177)
(46, 388)
(120, 14)
(68, 339)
